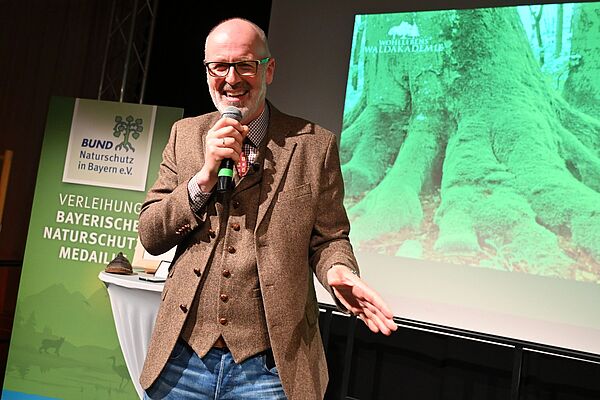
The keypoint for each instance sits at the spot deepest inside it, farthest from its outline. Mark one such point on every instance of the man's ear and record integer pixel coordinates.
(270, 71)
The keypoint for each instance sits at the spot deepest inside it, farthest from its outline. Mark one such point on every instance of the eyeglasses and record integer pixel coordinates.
(243, 68)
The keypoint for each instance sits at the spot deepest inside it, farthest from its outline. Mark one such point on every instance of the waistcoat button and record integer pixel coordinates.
(212, 233)
(223, 321)
(235, 204)
(231, 249)
(197, 271)
(224, 298)
(226, 273)
(235, 226)
(183, 308)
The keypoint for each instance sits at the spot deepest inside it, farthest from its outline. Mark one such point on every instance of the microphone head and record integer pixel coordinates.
(232, 112)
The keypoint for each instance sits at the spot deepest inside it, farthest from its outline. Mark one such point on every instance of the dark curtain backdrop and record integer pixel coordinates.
(46, 48)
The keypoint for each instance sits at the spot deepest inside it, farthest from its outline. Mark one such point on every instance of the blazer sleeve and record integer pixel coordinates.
(166, 217)
(330, 243)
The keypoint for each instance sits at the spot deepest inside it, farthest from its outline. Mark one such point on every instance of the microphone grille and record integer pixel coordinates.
(232, 112)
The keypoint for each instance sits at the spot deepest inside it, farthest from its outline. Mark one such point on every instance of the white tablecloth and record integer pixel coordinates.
(134, 305)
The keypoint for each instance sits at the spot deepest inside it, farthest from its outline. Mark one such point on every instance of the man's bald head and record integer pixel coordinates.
(242, 29)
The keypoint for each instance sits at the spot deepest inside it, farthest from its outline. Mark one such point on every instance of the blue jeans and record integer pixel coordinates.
(215, 376)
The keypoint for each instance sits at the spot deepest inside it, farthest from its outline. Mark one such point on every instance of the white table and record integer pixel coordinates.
(134, 305)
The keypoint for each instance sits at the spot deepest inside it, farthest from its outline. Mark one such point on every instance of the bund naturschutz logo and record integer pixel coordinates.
(129, 129)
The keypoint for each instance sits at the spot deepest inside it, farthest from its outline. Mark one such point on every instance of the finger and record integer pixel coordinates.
(245, 132)
(375, 319)
(218, 151)
(342, 300)
(387, 320)
(231, 136)
(370, 296)
(381, 322)
(232, 143)
(391, 324)
(374, 308)
(225, 122)
(227, 127)
(370, 324)
(373, 312)
(227, 142)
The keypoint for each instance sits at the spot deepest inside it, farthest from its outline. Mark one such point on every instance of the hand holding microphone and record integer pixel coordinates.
(227, 164)
(223, 144)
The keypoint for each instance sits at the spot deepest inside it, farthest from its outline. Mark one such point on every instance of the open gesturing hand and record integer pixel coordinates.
(361, 300)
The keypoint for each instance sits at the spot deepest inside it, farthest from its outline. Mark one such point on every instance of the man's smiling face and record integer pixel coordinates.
(235, 41)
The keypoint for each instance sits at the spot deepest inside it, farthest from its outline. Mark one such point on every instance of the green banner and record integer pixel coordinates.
(98, 159)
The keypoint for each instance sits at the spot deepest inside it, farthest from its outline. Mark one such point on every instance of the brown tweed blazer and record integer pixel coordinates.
(301, 228)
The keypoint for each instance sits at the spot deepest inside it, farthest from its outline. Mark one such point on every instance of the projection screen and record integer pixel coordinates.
(470, 149)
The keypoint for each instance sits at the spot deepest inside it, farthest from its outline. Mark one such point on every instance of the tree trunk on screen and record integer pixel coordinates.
(489, 165)
(582, 87)
(560, 16)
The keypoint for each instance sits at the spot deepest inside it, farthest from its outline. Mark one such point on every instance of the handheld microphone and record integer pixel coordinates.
(226, 169)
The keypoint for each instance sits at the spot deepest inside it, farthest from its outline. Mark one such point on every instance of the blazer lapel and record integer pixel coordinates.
(278, 154)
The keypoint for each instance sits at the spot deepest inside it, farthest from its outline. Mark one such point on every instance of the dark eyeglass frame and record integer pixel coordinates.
(256, 63)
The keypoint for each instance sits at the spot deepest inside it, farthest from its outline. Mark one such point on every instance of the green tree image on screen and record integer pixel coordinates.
(473, 137)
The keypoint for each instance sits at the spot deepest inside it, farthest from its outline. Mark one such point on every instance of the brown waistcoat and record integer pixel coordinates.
(228, 302)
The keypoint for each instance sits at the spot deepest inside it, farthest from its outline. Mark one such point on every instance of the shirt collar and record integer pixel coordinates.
(257, 129)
